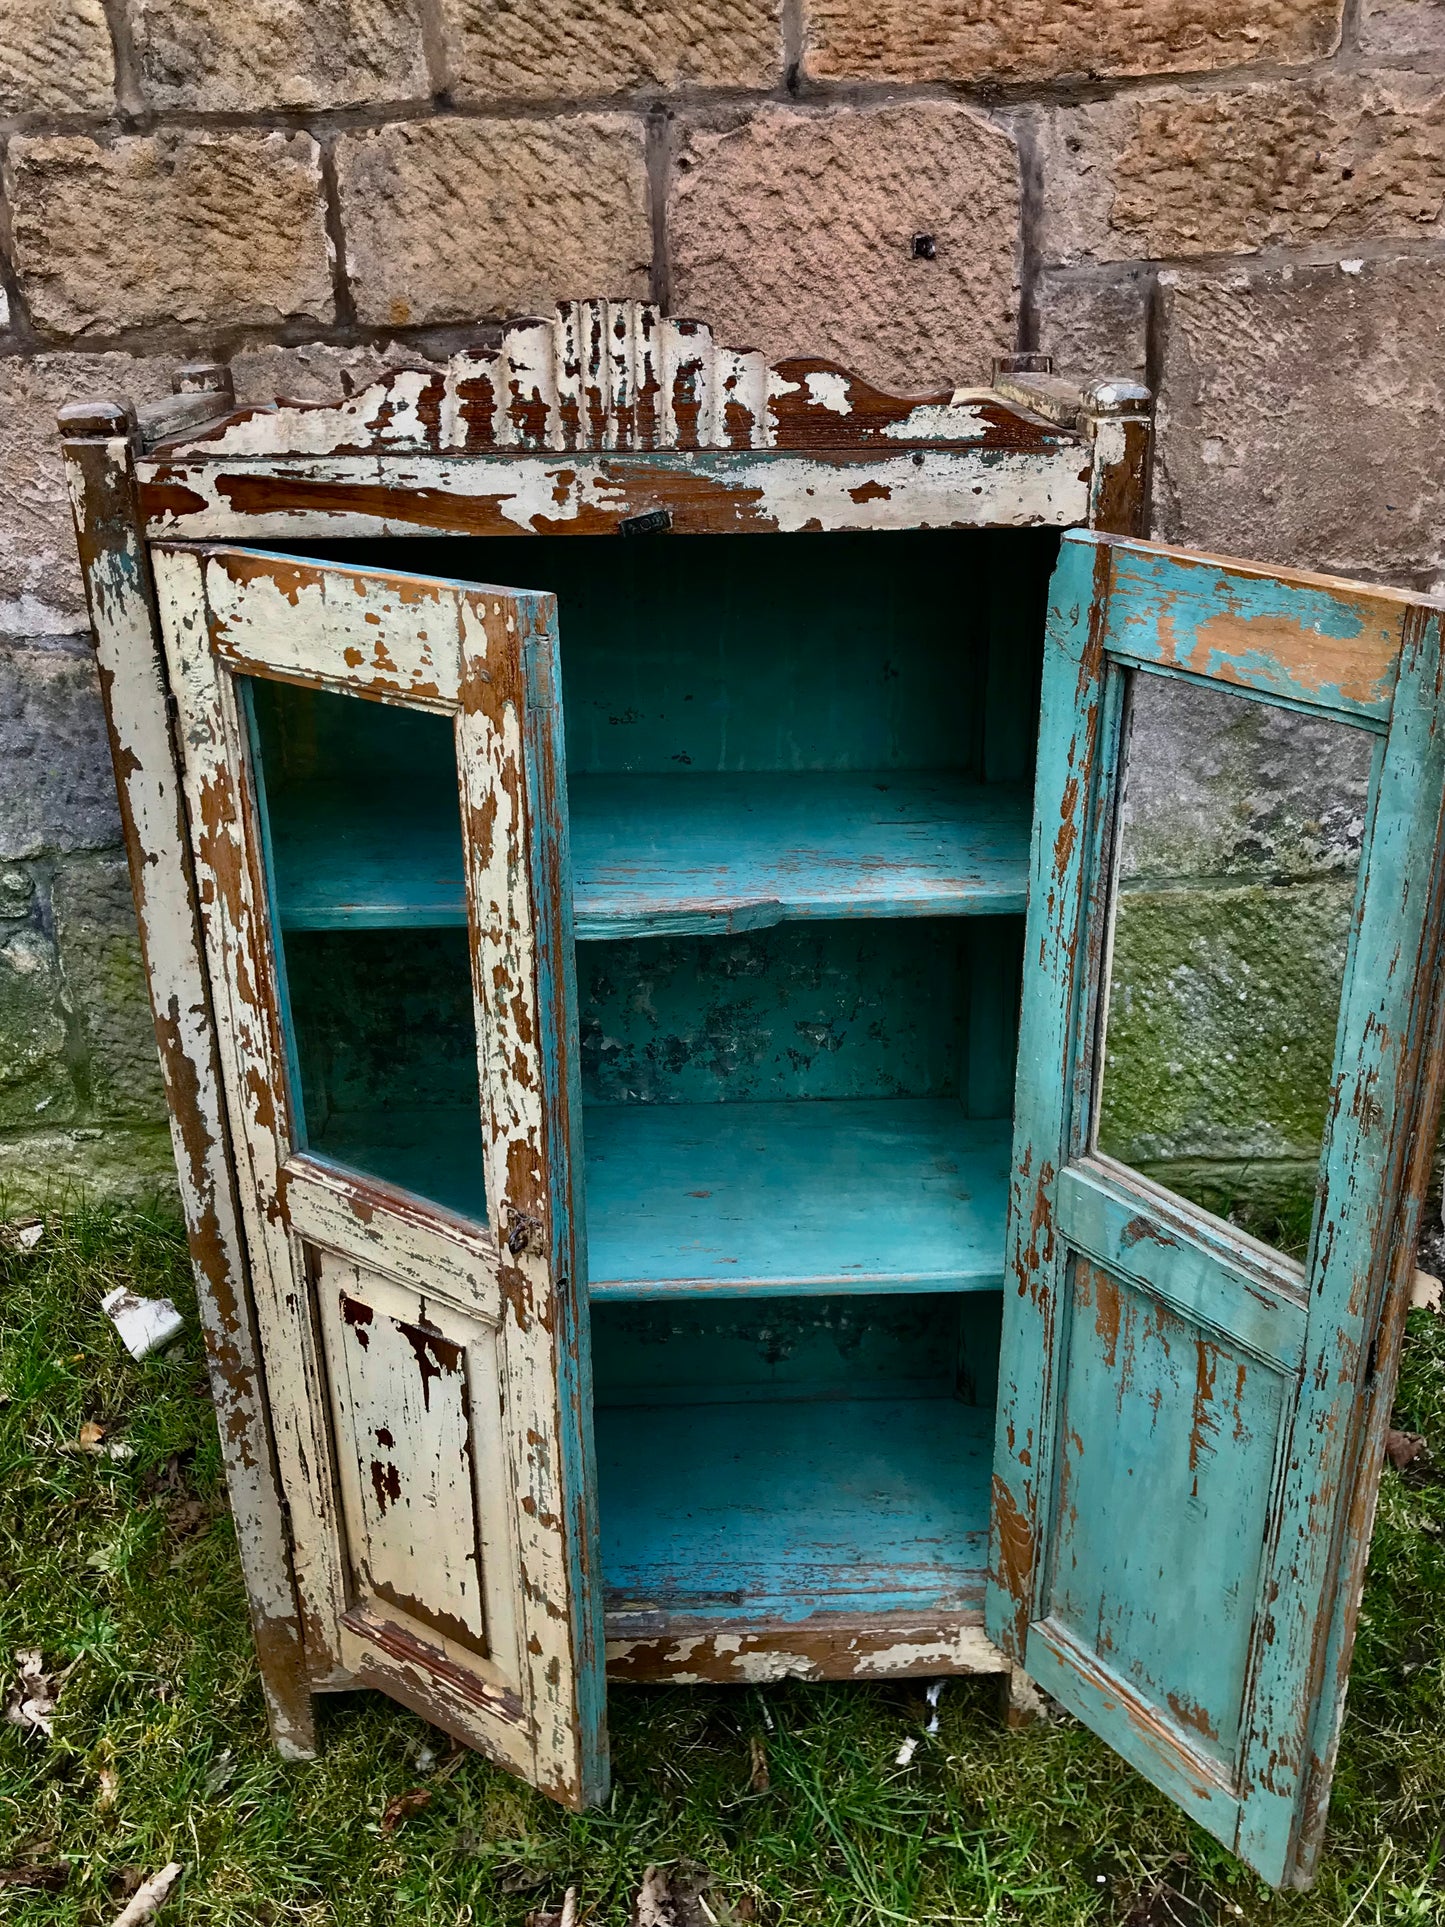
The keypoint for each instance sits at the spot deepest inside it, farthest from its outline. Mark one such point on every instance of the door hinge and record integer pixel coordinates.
(522, 1232)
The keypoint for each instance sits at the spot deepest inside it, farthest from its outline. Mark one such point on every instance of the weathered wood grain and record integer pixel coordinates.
(544, 1719)
(241, 971)
(690, 1653)
(879, 1194)
(617, 375)
(936, 485)
(1181, 1489)
(658, 855)
(778, 1511)
(100, 475)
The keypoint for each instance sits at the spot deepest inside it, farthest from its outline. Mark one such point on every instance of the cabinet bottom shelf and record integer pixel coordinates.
(768, 1512)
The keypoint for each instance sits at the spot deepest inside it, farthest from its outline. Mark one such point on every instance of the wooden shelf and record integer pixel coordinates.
(660, 855)
(863, 1195)
(776, 1511)
(657, 855)
(860, 1195)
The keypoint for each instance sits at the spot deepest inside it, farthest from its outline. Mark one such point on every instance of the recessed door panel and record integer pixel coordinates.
(1169, 1458)
(416, 1406)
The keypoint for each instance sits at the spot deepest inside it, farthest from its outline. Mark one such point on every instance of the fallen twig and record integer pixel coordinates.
(146, 1899)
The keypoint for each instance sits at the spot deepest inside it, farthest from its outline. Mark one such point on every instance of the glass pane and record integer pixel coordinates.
(364, 849)
(1240, 830)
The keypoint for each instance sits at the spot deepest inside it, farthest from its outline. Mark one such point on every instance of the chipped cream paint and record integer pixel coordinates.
(421, 1246)
(928, 488)
(460, 649)
(953, 421)
(416, 1408)
(828, 389)
(336, 627)
(98, 476)
(239, 964)
(504, 917)
(598, 375)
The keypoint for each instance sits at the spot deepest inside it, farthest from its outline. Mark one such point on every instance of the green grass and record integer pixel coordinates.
(1045, 1827)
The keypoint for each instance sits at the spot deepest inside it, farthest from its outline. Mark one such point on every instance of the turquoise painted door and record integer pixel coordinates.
(1191, 1409)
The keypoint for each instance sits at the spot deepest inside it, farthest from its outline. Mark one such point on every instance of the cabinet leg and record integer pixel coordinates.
(1021, 1702)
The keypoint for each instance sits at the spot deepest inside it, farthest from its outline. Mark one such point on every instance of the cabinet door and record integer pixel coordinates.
(374, 786)
(1190, 1415)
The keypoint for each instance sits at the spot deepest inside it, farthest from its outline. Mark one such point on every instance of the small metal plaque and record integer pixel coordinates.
(655, 522)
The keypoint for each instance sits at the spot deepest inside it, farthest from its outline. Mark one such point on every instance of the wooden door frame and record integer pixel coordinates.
(1071, 883)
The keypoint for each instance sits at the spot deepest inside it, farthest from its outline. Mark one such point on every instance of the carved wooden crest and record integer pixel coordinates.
(619, 375)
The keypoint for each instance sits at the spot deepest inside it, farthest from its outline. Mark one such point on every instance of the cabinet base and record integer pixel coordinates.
(697, 1652)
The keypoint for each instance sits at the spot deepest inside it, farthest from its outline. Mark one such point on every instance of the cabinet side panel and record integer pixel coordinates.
(102, 487)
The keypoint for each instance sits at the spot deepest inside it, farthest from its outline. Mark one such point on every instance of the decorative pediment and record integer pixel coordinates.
(606, 375)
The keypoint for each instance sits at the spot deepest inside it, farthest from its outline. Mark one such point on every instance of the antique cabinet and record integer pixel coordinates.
(628, 842)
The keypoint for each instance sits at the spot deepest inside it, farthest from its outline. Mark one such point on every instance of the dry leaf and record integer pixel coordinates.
(186, 1516)
(404, 1806)
(653, 1906)
(172, 1476)
(544, 1917)
(92, 1439)
(146, 1899)
(673, 1897)
(759, 1778)
(48, 1878)
(1403, 1448)
(31, 1701)
(109, 1787)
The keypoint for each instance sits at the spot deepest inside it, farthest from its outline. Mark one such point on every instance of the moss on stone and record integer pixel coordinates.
(1222, 1016)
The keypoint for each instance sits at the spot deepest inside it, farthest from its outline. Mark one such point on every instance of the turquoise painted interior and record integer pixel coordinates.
(798, 773)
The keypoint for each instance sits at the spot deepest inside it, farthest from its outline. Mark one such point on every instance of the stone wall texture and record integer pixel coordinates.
(1242, 201)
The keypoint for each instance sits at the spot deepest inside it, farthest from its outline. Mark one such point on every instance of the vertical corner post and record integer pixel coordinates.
(1119, 419)
(99, 445)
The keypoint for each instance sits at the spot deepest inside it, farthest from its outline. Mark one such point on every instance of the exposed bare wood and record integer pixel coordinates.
(616, 375)
(100, 473)
(822, 1647)
(362, 1287)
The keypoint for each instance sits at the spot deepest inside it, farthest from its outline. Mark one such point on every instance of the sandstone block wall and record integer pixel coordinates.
(1240, 200)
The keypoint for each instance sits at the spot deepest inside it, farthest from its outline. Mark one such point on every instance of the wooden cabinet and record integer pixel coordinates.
(635, 1037)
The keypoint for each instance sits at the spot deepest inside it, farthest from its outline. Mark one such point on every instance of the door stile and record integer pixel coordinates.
(1373, 1414)
(1064, 858)
(1366, 1220)
(244, 986)
(560, 1031)
(519, 887)
(130, 655)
